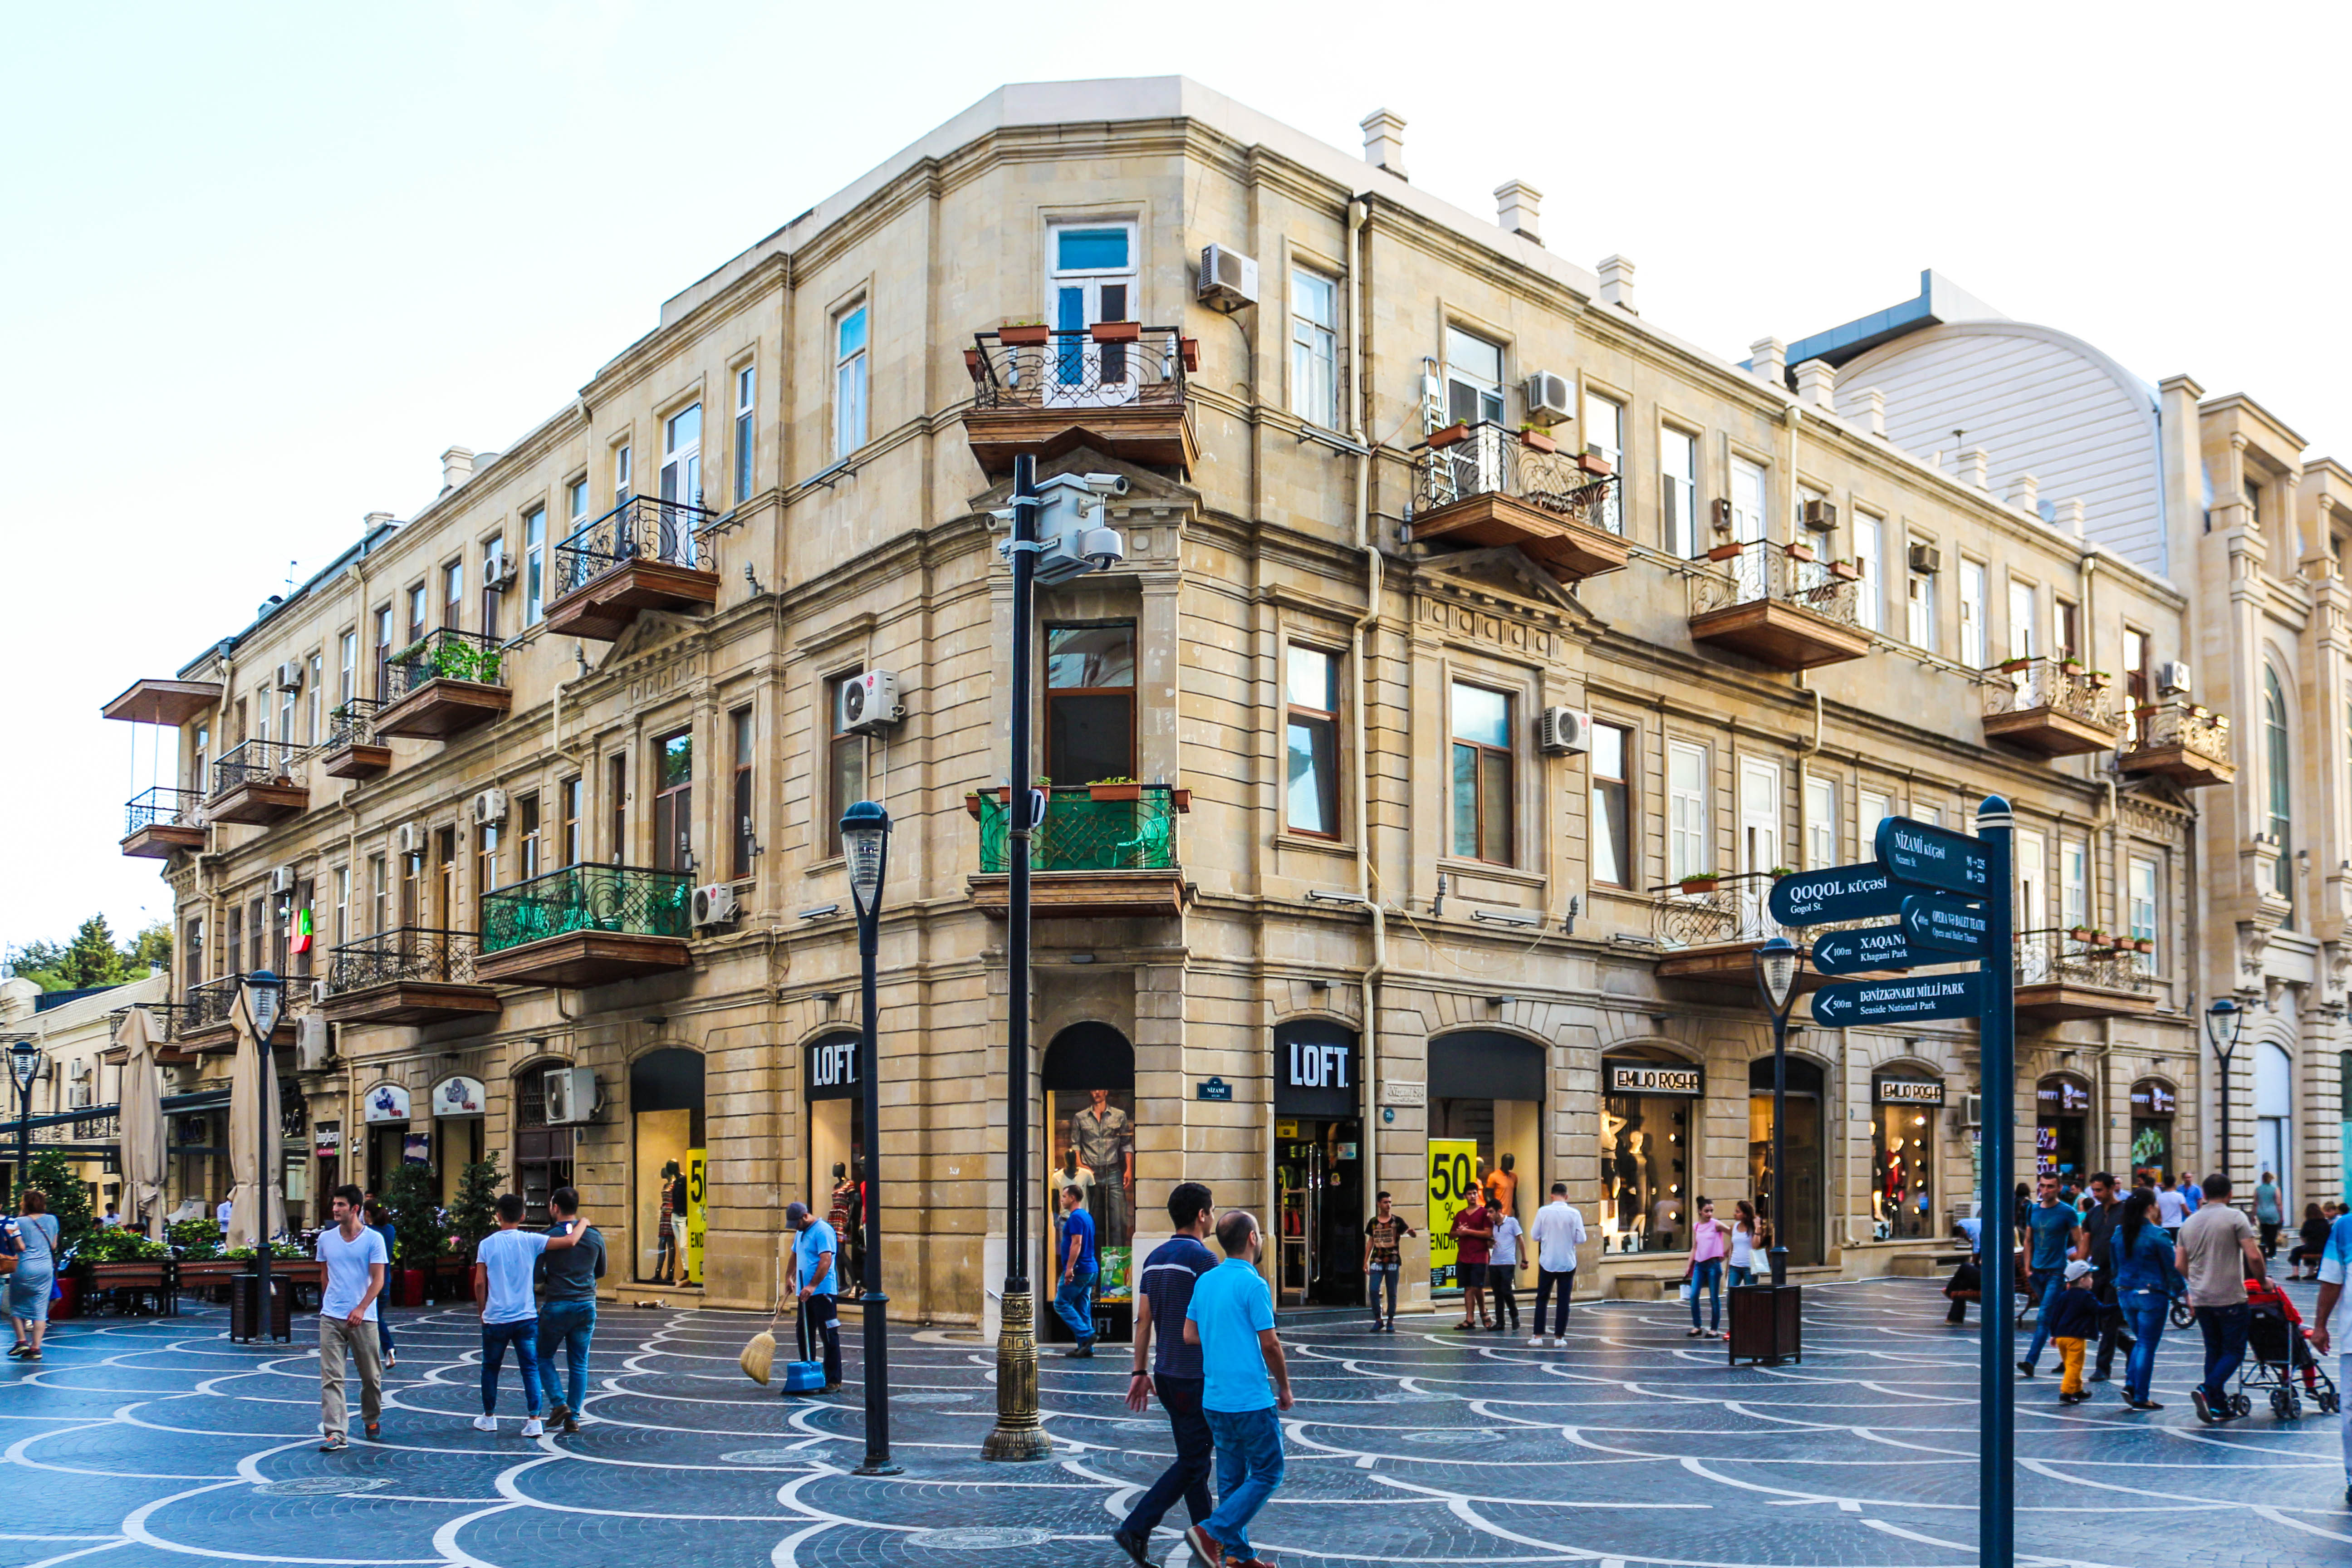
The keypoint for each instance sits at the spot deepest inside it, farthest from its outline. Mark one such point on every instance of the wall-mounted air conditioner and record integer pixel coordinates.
(489, 806)
(281, 881)
(1565, 730)
(570, 1095)
(2172, 677)
(1926, 560)
(715, 905)
(1551, 398)
(313, 1043)
(1821, 516)
(406, 838)
(499, 575)
(1228, 279)
(1972, 1110)
(289, 676)
(869, 701)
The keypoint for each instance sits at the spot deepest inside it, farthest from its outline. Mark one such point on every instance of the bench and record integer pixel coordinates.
(128, 1285)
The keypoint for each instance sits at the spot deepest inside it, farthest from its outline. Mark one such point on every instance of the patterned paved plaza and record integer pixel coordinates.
(146, 1442)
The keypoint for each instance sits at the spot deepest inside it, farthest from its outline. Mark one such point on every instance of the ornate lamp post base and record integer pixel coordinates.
(1018, 1434)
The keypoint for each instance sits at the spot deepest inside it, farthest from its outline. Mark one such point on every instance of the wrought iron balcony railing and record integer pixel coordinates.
(255, 761)
(165, 1016)
(1111, 365)
(351, 723)
(1486, 459)
(1736, 907)
(2188, 725)
(447, 654)
(1083, 834)
(2057, 957)
(211, 1003)
(642, 528)
(2056, 685)
(409, 953)
(622, 898)
(1762, 569)
(164, 806)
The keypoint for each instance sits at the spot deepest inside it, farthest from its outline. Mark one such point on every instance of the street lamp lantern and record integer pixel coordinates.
(1776, 974)
(25, 1062)
(2225, 1021)
(865, 844)
(264, 991)
(24, 1066)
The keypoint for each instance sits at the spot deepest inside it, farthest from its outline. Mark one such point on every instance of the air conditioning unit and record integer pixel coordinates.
(318, 993)
(499, 575)
(77, 1096)
(870, 701)
(1821, 516)
(406, 838)
(2172, 677)
(570, 1095)
(1926, 560)
(489, 806)
(289, 676)
(1228, 279)
(1972, 1110)
(1564, 729)
(715, 905)
(312, 1044)
(281, 881)
(1552, 399)
(1720, 508)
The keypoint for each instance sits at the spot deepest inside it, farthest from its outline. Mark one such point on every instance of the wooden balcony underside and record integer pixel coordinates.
(1780, 634)
(158, 839)
(2056, 1000)
(2182, 766)
(603, 607)
(358, 760)
(2049, 732)
(1569, 551)
(259, 804)
(1156, 434)
(1060, 894)
(441, 708)
(410, 1002)
(222, 1036)
(584, 958)
(172, 702)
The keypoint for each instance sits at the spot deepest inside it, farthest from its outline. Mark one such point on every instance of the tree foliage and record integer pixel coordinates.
(68, 1196)
(474, 1212)
(93, 958)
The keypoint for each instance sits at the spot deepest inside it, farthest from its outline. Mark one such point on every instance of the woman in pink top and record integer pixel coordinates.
(1710, 1240)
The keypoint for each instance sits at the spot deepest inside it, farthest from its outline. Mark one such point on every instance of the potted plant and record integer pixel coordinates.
(2078, 933)
(417, 1226)
(1116, 331)
(1535, 440)
(2100, 679)
(1457, 431)
(1700, 882)
(1181, 799)
(2143, 944)
(972, 363)
(1188, 351)
(1115, 789)
(2069, 663)
(1727, 551)
(1029, 332)
(1845, 571)
(2014, 663)
(1777, 872)
(1798, 550)
(1596, 465)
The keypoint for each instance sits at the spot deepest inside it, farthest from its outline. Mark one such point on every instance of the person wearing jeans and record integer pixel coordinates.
(1384, 1234)
(1074, 1299)
(2146, 1283)
(2056, 1229)
(504, 1261)
(1559, 1231)
(1246, 1383)
(2218, 1253)
(569, 1316)
(816, 1283)
(2333, 1322)
(1171, 1369)
(1709, 1242)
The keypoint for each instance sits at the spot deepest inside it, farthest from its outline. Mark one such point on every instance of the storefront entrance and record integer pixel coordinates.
(385, 1111)
(836, 1144)
(1089, 1083)
(2062, 1118)
(666, 1113)
(1649, 1101)
(1318, 1166)
(1485, 1134)
(2154, 1105)
(1799, 1222)
(1905, 1105)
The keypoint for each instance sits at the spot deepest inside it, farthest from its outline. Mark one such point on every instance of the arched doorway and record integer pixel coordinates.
(1088, 1077)
(1318, 1229)
(2062, 1128)
(2274, 1117)
(1799, 1222)
(665, 1118)
(542, 1153)
(1905, 1102)
(2154, 1105)
(1486, 1132)
(836, 1140)
(1649, 1138)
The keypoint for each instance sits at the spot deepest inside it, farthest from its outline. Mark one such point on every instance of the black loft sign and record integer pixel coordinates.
(832, 1067)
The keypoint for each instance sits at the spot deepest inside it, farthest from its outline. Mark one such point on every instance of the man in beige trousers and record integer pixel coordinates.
(355, 1265)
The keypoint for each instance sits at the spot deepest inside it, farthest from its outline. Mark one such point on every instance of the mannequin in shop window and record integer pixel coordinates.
(666, 1257)
(841, 1212)
(1104, 1136)
(1503, 1185)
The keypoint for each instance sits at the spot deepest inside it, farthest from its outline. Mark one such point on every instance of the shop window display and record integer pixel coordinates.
(1648, 1114)
(1089, 1081)
(666, 1112)
(1904, 1111)
(1798, 1225)
(2153, 1106)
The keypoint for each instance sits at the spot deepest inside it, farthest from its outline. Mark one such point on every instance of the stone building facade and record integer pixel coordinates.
(1479, 653)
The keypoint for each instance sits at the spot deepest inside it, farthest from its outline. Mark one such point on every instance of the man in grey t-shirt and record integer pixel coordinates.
(2218, 1251)
(568, 1315)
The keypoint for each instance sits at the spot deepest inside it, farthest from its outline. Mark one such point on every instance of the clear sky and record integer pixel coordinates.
(263, 263)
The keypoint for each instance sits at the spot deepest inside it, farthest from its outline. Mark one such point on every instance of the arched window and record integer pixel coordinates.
(2274, 1114)
(2279, 765)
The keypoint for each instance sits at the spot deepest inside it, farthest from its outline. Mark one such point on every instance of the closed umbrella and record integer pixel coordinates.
(140, 1118)
(252, 1132)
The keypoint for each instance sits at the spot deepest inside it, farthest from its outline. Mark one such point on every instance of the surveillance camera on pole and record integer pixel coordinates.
(1071, 539)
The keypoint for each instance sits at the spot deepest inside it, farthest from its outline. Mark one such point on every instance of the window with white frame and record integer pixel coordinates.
(1604, 438)
(2074, 882)
(746, 398)
(849, 380)
(1871, 809)
(2021, 619)
(1972, 614)
(315, 693)
(1686, 853)
(1746, 501)
(1678, 491)
(1821, 822)
(2142, 912)
(1474, 377)
(625, 477)
(1919, 604)
(347, 668)
(1869, 555)
(534, 559)
(1315, 348)
(681, 468)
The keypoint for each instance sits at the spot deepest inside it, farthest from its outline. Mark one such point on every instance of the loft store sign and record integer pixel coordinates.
(833, 1064)
(1314, 1065)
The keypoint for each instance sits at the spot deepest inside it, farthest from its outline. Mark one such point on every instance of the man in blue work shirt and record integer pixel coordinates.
(1074, 1298)
(1163, 1293)
(2057, 1232)
(1245, 1380)
(816, 1285)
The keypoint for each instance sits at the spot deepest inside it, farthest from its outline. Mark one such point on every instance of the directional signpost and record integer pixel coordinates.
(1948, 893)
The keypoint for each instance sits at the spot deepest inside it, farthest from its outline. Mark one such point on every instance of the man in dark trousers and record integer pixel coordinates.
(1163, 1291)
(2092, 1239)
(816, 1285)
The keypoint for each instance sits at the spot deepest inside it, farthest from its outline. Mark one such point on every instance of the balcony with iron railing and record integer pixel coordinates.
(585, 925)
(2074, 973)
(159, 820)
(1486, 488)
(351, 750)
(646, 554)
(2051, 706)
(1102, 849)
(256, 784)
(164, 1028)
(1117, 387)
(1778, 605)
(2183, 742)
(409, 975)
(206, 1017)
(1708, 928)
(444, 684)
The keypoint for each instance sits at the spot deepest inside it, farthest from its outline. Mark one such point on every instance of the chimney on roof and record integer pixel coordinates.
(1817, 383)
(1973, 464)
(1767, 360)
(1617, 282)
(1515, 208)
(373, 520)
(1870, 407)
(1384, 142)
(457, 468)
(2025, 494)
(2069, 515)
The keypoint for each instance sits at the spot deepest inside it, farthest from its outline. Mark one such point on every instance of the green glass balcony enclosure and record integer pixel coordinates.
(585, 925)
(1102, 849)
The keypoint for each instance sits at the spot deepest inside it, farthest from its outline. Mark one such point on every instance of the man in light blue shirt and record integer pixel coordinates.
(1073, 1297)
(504, 1261)
(2334, 1329)
(1231, 1318)
(817, 1288)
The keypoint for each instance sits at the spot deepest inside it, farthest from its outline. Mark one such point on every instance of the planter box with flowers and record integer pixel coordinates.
(1799, 551)
(2143, 944)
(1726, 553)
(1449, 436)
(1705, 882)
(1115, 789)
(1024, 335)
(1845, 571)
(1594, 464)
(1536, 440)
(1116, 331)
(2078, 933)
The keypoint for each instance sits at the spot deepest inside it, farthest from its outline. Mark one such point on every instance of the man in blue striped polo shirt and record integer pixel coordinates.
(1164, 1292)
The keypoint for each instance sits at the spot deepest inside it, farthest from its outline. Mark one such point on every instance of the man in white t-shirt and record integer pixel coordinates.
(504, 1262)
(2335, 1322)
(2172, 1205)
(227, 1206)
(1559, 1231)
(355, 1261)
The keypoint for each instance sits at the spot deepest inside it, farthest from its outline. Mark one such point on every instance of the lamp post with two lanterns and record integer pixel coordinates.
(866, 845)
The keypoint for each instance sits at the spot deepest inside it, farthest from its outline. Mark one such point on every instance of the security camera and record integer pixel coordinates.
(1102, 548)
(1107, 484)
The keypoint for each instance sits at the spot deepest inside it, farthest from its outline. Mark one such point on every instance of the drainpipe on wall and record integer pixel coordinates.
(1360, 654)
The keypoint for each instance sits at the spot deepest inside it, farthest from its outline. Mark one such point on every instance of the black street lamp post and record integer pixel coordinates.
(2224, 1022)
(866, 843)
(24, 1066)
(1777, 962)
(264, 992)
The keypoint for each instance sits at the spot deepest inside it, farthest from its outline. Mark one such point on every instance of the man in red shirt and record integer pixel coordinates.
(1474, 1240)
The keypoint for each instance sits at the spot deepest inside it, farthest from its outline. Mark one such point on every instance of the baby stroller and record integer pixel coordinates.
(2278, 1356)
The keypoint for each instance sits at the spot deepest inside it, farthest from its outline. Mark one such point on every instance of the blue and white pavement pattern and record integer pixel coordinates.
(143, 1442)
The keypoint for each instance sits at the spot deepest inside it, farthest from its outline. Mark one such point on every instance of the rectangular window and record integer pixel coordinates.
(1612, 812)
(534, 559)
(2032, 881)
(1482, 782)
(415, 615)
(286, 715)
(347, 668)
(2021, 640)
(1972, 615)
(1821, 824)
(342, 905)
(316, 694)
(453, 594)
(382, 648)
(494, 563)
(486, 860)
(1873, 808)
(256, 938)
(846, 765)
(2143, 910)
(746, 398)
(233, 948)
(1919, 597)
(191, 954)
(1678, 493)
(1746, 501)
(2074, 882)
(2066, 630)
(616, 808)
(379, 894)
(738, 727)
(1686, 853)
(1869, 551)
(2139, 680)
(575, 505)
(1604, 436)
(1094, 279)
(200, 755)
(625, 477)
(568, 805)
(673, 802)
(1311, 741)
(1474, 377)
(1315, 348)
(527, 836)
(681, 470)
(849, 380)
(1091, 702)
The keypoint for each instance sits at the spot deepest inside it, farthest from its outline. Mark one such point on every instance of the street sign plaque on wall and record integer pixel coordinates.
(1956, 929)
(1934, 857)
(1890, 1001)
(1837, 893)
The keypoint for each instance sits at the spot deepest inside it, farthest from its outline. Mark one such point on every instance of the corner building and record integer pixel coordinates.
(1479, 653)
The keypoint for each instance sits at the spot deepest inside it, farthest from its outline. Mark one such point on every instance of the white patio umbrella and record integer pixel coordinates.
(252, 1132)
(141, 1120)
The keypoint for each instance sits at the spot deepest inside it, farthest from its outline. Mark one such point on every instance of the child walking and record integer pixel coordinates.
(2073, 1322)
